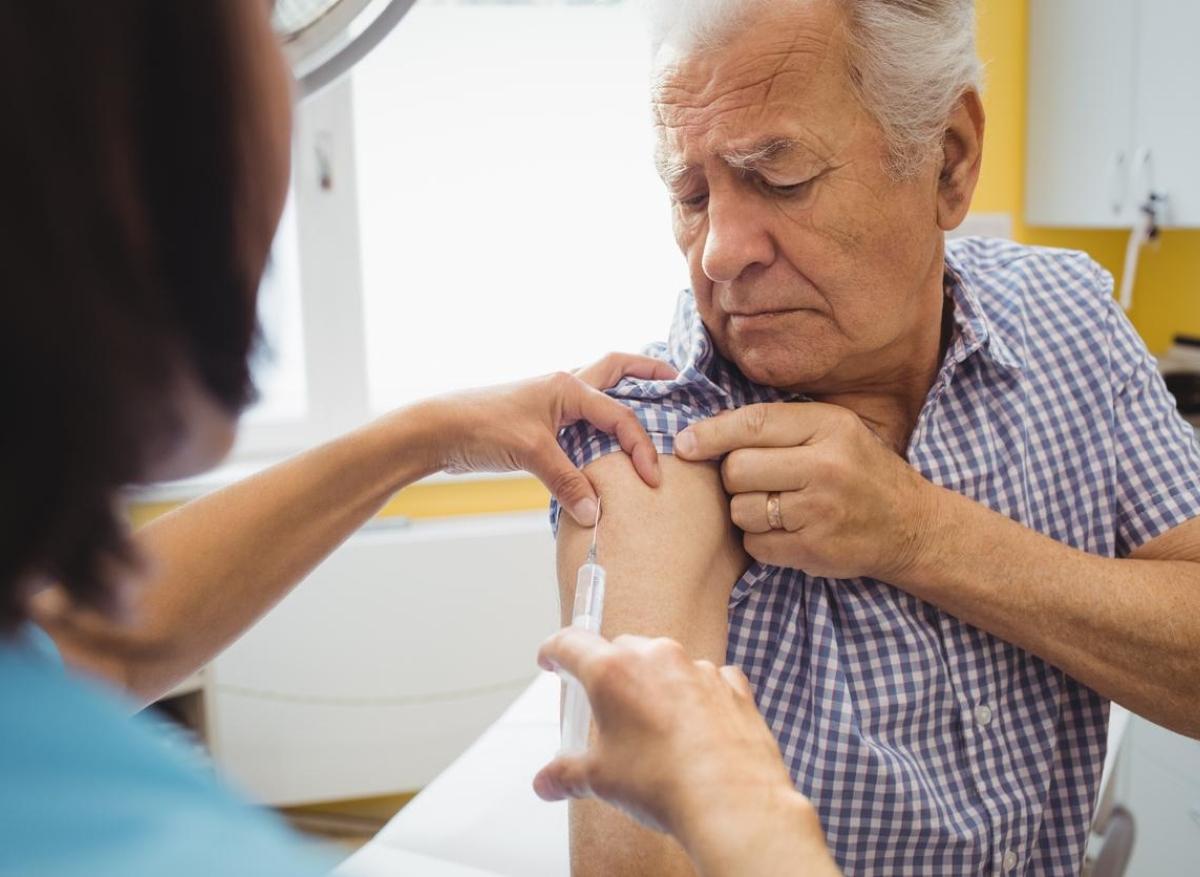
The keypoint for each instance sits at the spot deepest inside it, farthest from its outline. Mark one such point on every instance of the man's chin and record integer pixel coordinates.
(781, 370)
(790, 352)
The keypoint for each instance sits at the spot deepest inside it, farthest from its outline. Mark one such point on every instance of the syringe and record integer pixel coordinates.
(588, 613)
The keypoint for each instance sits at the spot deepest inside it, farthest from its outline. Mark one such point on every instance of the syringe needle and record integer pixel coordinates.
(596, 526)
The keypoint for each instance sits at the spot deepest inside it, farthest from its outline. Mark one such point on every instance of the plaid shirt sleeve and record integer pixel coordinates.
(665, 408)
(1157, 473)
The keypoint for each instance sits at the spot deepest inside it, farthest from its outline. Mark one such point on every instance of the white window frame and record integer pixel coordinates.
(325, 193)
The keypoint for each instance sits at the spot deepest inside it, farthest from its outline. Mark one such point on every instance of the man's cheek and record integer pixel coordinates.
(842, 220)
(710, 315)
(718, 330)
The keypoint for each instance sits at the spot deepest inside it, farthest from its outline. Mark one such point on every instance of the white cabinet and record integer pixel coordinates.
(387, 661)
(1114, 111)
(1167, 112)
(1081, 74)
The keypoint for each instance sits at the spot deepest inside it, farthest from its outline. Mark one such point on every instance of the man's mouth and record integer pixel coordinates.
(752, 318)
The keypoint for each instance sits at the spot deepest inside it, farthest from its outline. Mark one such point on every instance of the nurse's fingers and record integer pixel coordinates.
(609, 371)
(549, 465)
(574, 651)
(737, 680)
(616, 419)
(565, 777)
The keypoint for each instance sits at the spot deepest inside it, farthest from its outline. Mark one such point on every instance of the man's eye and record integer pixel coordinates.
(694, 202)
(789, 190)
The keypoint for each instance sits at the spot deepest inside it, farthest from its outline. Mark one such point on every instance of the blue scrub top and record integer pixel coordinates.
(85, 789)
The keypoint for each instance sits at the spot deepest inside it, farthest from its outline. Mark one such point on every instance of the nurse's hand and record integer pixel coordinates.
(515, 427)
(680, 746)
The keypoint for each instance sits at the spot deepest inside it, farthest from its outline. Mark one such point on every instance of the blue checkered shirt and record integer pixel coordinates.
(927, 745)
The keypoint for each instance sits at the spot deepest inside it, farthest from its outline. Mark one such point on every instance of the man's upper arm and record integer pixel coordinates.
(671, 553)
(672, 557)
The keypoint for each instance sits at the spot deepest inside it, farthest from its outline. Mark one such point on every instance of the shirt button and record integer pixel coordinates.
(1010, 861)
(983, 716)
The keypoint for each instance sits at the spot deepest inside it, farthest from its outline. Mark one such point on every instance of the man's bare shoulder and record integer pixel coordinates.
(632, 504)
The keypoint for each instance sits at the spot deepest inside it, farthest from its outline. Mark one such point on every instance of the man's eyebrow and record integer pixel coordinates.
(763, 152)
(672, 170)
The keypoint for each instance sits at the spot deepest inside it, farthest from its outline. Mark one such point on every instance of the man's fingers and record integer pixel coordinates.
(748, 511)
(565, 777)
(771, 470)
(573, 651)
(614, 418)
(774, 549)
(609, 371)
(773, 425)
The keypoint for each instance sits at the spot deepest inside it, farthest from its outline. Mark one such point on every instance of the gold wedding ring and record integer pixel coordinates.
(774, 515)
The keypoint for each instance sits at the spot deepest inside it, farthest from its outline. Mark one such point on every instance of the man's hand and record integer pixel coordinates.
(515, 427)
(848, 506)
(681, 747)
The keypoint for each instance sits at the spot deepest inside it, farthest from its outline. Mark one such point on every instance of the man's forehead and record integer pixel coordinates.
(749, 137)
(743, 95)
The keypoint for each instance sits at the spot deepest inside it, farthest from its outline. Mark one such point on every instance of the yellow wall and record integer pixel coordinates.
(1167, 296)
(428, 500)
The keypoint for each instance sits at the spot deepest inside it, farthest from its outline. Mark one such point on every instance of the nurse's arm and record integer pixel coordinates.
(216, 565)
(672, 557)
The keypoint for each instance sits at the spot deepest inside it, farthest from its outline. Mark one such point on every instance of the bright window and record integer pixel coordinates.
(511, 219)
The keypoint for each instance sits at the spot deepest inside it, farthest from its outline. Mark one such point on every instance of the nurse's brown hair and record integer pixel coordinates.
(120, 267)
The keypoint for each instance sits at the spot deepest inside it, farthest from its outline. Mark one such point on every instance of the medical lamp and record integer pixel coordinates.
(323, 39)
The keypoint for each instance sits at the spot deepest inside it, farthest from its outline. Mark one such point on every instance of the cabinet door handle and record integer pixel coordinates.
(1116, 182)
(1142, 173)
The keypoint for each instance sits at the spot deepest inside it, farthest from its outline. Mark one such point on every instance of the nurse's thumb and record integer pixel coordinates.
(565, 777)
(570, 486)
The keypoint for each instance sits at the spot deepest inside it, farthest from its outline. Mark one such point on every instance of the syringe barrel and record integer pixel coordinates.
(588, 615)
(589, 597)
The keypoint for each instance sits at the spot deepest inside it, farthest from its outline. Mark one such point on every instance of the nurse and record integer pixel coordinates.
(146, 154)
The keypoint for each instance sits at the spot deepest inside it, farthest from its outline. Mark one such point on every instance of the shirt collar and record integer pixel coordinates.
(976, 332)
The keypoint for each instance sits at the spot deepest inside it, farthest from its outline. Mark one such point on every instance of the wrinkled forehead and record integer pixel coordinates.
(782, 73)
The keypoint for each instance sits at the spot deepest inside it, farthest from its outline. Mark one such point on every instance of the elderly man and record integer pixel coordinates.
(956, 513)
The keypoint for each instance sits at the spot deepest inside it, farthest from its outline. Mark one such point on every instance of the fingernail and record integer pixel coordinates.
(585, 512)
(685, 443)
(545, 788)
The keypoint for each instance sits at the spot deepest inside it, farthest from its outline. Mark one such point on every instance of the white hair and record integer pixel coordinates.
(910, 61)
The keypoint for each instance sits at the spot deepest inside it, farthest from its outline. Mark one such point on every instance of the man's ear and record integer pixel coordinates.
(962, 155)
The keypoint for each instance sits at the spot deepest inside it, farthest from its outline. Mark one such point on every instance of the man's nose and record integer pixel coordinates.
(737, 238)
